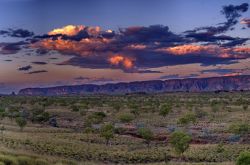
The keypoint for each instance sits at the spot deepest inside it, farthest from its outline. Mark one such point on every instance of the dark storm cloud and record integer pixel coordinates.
(152, 35)
(208, 34)
(236, 42)
(19, 33)
(11, 48)
(38, 71)
(25, 68)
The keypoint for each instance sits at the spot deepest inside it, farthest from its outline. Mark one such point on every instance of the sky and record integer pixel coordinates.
(47, 43)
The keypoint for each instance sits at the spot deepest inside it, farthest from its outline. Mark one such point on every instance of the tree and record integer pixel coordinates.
(21, 122)
(243, 159)
(107, 132)
(165, 109)
(180, 141)
(146, 134)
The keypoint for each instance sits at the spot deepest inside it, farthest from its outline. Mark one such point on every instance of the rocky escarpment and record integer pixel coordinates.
(229, 83)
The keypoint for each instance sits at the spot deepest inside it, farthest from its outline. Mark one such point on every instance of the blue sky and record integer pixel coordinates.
(147, 39)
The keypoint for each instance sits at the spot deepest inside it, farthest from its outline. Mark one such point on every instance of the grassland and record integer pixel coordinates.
(70, 130)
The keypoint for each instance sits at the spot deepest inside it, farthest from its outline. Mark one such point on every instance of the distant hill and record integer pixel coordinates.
(227, 83)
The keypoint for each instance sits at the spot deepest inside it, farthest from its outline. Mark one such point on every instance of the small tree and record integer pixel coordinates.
(146, 134)
(180, 141)
(21, 122)
(107, 132)
(243, 159)
(165, 109)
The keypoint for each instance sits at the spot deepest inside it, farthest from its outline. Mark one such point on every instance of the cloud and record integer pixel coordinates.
(210, 33)
(19, 33)
(39, 63)
(138, 49)
(152, 35)
(219, 71)
(177, 76)
(38, 71)
(81, 78)
(119, 60)
(25, 68)
(208, 50)
(11, 48)
(245, 21)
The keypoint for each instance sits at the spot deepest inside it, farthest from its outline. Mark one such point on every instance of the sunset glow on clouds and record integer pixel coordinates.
(124, 61)
(213, 50)
(130, 53)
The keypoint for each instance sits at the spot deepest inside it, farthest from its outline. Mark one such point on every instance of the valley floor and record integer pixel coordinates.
(71, 130)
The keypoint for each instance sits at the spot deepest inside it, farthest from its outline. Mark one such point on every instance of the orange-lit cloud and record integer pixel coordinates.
(121, 60)
(69, 30)
(136, 46)
(84, 47)
(214, 50)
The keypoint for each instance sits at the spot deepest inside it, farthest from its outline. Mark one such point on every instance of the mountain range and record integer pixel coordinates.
(226, 83)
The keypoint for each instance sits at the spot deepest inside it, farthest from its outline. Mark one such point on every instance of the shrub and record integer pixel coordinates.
(243, 159)
(23, 160)
(8, 160)
(126, 117)
(107, 132)
(41, 162)
(21, 122)
(187, 118)
(146, 134)
(96, 117)
(180, 141)
(165, 109)
(240, 129)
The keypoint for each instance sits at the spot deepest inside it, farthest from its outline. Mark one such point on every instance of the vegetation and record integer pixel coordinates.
(243, 159)
(174, 128)
(180, 141)
(21, 122)
(146, 134)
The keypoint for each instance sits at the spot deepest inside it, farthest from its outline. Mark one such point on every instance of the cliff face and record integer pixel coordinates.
(233, 83)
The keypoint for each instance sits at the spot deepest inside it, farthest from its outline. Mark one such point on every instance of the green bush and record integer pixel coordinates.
(23, 160)
(8, 160)
(187, 118)
(240, 129)
(41, 162)
(243, 159)
(126, 117)
(165, 109)
(107, 132)
(146, 134)
(21, 122)
(180, 141)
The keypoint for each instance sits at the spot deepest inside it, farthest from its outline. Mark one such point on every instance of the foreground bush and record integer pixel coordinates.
(243, 159)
